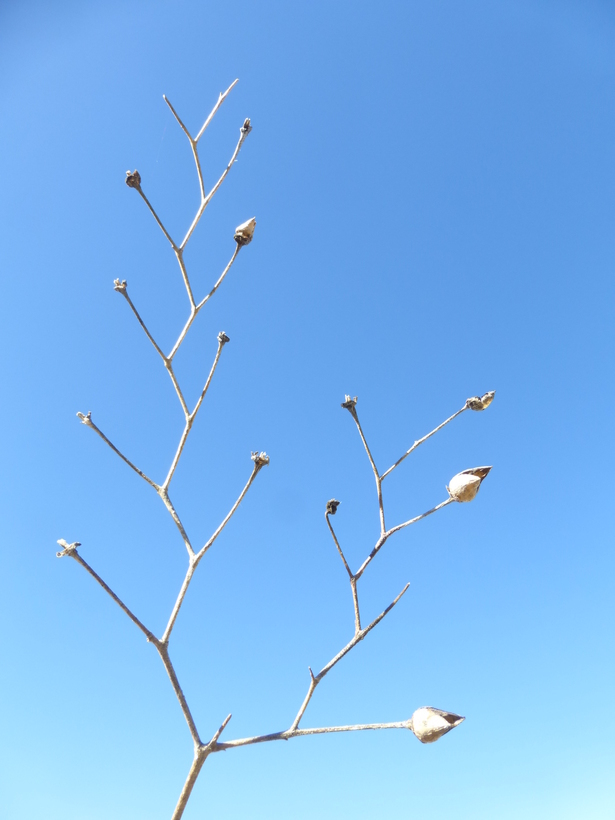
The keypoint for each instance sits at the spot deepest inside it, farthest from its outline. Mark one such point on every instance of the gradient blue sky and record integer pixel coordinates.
(434, 183)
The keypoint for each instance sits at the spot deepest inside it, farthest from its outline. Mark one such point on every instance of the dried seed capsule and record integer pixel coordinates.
(133, 179)
(465, 485)
(244, 233)
(480, 402)
(429, 724)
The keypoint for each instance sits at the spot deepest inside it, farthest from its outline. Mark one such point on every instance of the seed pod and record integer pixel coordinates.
(133, 179)
(244, 233)
(480, 402)
(332, 506)
(429, 724)
(465, 485)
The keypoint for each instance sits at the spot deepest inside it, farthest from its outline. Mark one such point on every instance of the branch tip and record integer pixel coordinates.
(133, 179)
(349, 403)
(67, 549)
(332, 506)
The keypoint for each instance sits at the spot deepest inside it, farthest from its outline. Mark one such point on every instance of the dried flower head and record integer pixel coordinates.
(480, 402)
(246, 127)
(223, 338)
(85, 419)
(349, 403)
(133, 179)
(67, 548)
(244, 233)
(429, 724)
(332, 506)
(120, 286)
(260, 459)
(465, 485)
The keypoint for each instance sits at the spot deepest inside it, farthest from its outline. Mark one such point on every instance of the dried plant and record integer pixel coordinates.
(427, 723)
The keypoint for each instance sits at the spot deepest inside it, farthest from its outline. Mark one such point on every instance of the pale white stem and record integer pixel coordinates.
(203, 550)
(200, 757)
(163, 651)
(149, 635)
(190, 420)
(89, 423)
(169, 366)
(336, 542)
(156, 217)
(421, 440)
(354, 414)
(221, 99)
(419, 517)
(163, 493)
(124, 292)
(197, 308)
(180, 259)
(359, 635)
(325, 730)
(176, 115)
(244, 133)
(355, 600)
(382, 541)
(221, 279)
(194, 559)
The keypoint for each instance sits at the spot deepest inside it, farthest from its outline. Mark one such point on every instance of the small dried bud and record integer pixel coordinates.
(133, 179)
(246, 127)
(244, 233)
(66, 547)
(465, 485)
(429, 724)
(349, 403)
(332, 506)
(87, 419)
(120, 286)
(260, 459)
(480, 402)
(223, 338)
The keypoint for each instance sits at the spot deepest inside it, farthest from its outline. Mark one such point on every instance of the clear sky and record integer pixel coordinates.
(434, 184)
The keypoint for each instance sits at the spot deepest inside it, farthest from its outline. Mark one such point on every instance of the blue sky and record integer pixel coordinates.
(434, 189)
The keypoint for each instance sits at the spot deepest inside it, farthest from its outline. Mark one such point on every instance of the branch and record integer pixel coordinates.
(156, 217)
(163, 650)
(421, 440)
(243, 133)
(194, 559)
(351, 405)
(382, 541)
(197, 308)
(288, 734)
(329, 512)
(121, 287)
(163, 493)
(222, 340)
(221, 99)
(71, 551)
(87, 420)
(315, 680)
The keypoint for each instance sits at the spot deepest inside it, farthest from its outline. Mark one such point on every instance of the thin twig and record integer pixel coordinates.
(243, 134)
(200, 757)
(315, 679)
(355, 600)
(156, 217)
(195, 559)
(149, 635)
(190, 419)
(179, 254)
(421, 440)
(382, 541)
(197, 308)
(221, 99)
(87, 420)
(163, 650)
(288, 734)
(163, 493)
(336, 542)
(124, 292)
(353, 412)
(257, 468)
